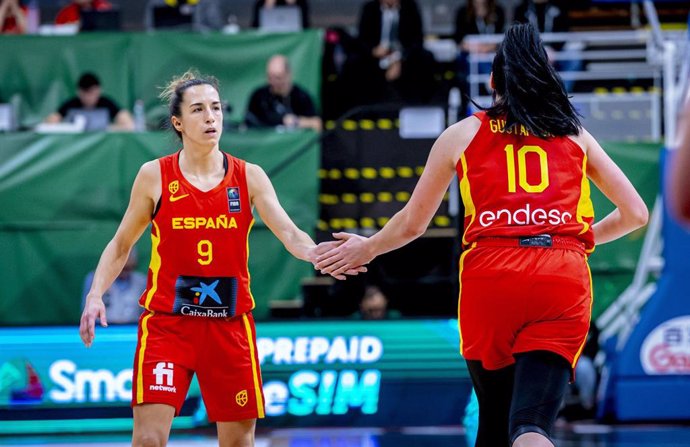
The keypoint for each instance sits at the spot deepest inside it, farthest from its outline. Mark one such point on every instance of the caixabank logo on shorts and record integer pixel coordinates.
(197, 296)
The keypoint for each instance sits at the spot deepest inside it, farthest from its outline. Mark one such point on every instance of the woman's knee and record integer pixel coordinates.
(236, 434)
(151, 438)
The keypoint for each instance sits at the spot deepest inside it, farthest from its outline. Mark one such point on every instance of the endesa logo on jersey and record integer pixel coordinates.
(666, 350)
(526, 215)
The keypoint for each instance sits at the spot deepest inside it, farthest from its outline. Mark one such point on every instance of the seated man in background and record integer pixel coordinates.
(72, 12)
(122, 298)
(281, 102)
(374, 306)
(89, 98)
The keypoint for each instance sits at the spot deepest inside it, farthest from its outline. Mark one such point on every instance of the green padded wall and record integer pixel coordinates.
(62, 197)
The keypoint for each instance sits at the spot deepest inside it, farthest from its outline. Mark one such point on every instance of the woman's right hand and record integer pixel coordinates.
(94, 308)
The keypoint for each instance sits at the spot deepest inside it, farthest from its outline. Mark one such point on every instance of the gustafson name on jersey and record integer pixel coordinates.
(526, 215)
(220, 222)
(499, 126)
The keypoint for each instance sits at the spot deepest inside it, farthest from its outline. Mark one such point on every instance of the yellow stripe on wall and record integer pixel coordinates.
(255, 367)
(140, 358)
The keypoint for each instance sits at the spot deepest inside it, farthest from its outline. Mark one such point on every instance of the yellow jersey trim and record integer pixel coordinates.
(249, 276)
(460, 269)
(155, 265)
(591, 303)
(255, 367)
(584, 203)
(140, 358)
(466, 197)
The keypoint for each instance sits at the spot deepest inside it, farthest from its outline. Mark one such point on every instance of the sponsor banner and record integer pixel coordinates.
(666, 350)
(335, 373)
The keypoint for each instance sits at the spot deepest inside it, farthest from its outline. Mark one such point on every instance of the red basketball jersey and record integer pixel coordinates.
(199, 245)
(516, 184)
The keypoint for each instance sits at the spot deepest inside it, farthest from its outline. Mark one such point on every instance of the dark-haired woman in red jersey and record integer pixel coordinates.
(524, 166)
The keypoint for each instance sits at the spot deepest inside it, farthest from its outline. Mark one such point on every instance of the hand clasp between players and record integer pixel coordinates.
(344, 256)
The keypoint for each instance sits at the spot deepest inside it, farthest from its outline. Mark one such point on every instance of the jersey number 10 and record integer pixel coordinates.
(522, 169)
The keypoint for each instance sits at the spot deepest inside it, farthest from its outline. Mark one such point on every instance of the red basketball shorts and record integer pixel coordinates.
(518, 299)
(222, 353)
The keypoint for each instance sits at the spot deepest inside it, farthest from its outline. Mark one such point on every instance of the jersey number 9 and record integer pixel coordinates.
(205, 251)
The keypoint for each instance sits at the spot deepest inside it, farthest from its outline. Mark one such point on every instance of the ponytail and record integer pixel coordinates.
(528, 91)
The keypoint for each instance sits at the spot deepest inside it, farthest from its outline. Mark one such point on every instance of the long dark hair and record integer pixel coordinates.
(528, 91)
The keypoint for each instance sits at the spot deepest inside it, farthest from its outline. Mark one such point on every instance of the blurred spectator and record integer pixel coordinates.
(545, 15)
(122, 298)
(208, 16)
(281, 102)
(339, 53)
(204, 15)
(392, 36)
(374, 306)
(13, 17)
(550, 17)
(478, 17)
(72, 13)
(267, 4)
(89, 97)
(679, 186)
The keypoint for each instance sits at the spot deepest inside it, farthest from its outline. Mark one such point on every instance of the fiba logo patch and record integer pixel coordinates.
(233, 199)
(164, 373)
(241, 398)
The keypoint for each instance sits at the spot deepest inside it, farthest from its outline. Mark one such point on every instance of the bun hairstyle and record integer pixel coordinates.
(528, 91)
(173, 92)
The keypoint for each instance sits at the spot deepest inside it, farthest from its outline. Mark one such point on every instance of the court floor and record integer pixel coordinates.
(576, 435)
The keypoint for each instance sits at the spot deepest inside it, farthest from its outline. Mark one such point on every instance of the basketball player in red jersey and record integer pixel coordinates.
(525, 287)
(198, 303)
